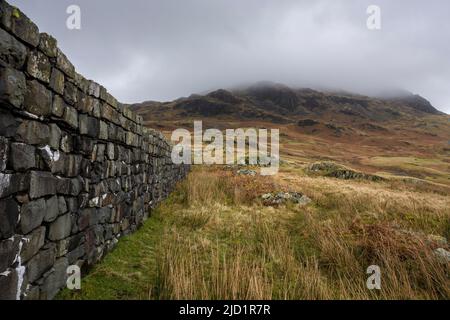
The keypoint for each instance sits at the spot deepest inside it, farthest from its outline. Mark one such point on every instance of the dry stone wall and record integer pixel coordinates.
(77, 168)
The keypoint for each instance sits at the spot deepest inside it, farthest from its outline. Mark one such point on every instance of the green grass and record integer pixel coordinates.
(128, 272)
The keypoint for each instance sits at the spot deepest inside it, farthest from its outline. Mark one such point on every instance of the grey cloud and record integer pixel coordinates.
(161, 50)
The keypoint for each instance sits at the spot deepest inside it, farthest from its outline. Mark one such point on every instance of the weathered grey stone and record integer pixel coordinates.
(66, 142)
(4, 152)
(8, 124)
(38, 100)
(33, 243)
(8, 252)
(94, 89)
(32, 214)
(64, 64)
(58, 106)
(38, 66)
(11, 50)
(40, 263)
(48, 45)
(33, 132)
(12, 87)
(54, 160)
(57, 81)
(70, 93)
(8, 285)
(42, 184)
(52, 209)
(23, 156)
(24, 28)
(56, 280)
(74, 165)
(89, 126)
(107, 112)
(13, 183)
(111, 151)
(103, 131)
(71, 117)
(62, 206)
(55, 136)
(60, 229)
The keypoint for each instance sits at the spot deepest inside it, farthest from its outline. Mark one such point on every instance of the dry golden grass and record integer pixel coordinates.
(222, 243)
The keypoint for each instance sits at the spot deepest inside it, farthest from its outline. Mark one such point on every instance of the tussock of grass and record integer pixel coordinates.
(213, 239)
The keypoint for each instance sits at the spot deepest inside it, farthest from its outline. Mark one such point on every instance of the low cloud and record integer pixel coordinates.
(161, 50)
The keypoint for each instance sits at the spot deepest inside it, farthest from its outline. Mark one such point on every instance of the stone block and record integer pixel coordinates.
(38, 66)
(4, 153)
(55, 136)
(12, 87)
(32, 244)
(57, 81)
(89, 126)
(52, 209)
(33, 132)
(71, 117)
(8, 285)
(94, 89)
(13, 183)
(24, 28)
(64, 64)
(48, 45)
(40, 263)
(42, 184)
(12, 51)
(8, 252)
(70, 93)
(103, 131)
(58, 106)
(23, 156)
(60, 228)
(55, 280)
(38, 100)
(9, 215)
(32, 214)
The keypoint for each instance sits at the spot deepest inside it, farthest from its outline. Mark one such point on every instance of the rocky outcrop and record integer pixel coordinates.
(77, 168)
(331, 169)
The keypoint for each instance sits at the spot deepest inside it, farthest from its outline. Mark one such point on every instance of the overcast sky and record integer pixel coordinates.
(164, 49)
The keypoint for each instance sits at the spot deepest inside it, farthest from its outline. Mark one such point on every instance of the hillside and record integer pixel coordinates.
(401, 134)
